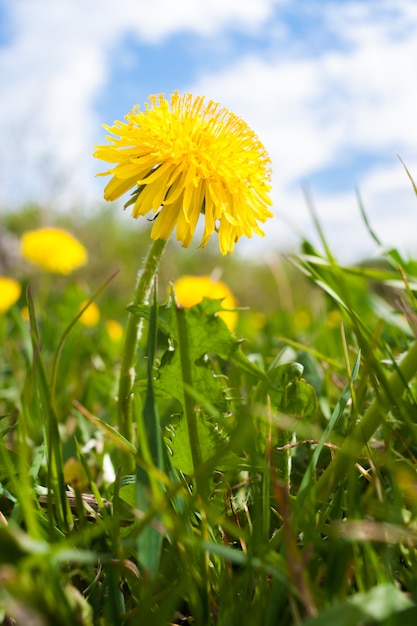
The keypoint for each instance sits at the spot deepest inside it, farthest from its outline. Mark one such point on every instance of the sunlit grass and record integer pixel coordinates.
(294, 501)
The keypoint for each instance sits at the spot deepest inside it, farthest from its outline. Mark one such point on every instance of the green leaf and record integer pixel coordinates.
(110, 433)
(9, 464)
(380, 603)
(150, 442)
(149, 542)
(189, 369)
(180, 446)
(208, 333)
(15, 545)
(289, 392)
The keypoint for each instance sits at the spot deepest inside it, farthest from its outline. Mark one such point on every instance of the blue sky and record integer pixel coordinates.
(181, 57)
(328, 85)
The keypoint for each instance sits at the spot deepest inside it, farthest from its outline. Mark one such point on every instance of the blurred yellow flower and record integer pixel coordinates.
(257, 320)
(10, 291)
(91, 315)
(53, 250)
(191, 290)
(25, 313)
(115, 330)
(333, 318)
(301, 319)
(75, 474)
(183, 158)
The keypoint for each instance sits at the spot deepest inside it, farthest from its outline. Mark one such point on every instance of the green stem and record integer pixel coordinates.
(374, 416)
(132, 335)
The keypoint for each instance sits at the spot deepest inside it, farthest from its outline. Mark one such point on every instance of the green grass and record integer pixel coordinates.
(273, 479)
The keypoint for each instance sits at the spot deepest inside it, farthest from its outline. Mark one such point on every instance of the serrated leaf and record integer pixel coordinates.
(208, 333)
(169, 380)
(180, 444)
(208, 337)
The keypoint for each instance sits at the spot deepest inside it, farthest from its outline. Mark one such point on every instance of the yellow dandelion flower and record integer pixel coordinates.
(302, 319)
(257, 320)
(75, 474)
(25, 313)
(115, 330)
(186, 157)
(91, 315)
(334, 318)
(10, 291)
(191, 290)
(53, 250)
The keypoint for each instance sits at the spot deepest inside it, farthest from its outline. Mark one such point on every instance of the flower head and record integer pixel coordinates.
(184, 158)
(114, 330)
(9, 293)
(53, 249)
(91, 315)
(191, 290)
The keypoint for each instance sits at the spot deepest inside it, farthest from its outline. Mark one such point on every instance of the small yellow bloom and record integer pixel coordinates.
(333, 319)
(25, 313)
(183, 158)
(91, 315)
(53, 250)
(257, 320)
(302, 319)
(75, 474)
(9, 293)
(191, 290)
(115, 330)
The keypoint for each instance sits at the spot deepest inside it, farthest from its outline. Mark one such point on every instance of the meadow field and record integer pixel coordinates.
(269, 472)
(190, 435)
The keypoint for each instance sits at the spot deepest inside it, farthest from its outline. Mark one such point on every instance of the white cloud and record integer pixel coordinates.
(150, 21)
(56, 64)
(309, 110)
(314, 113)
